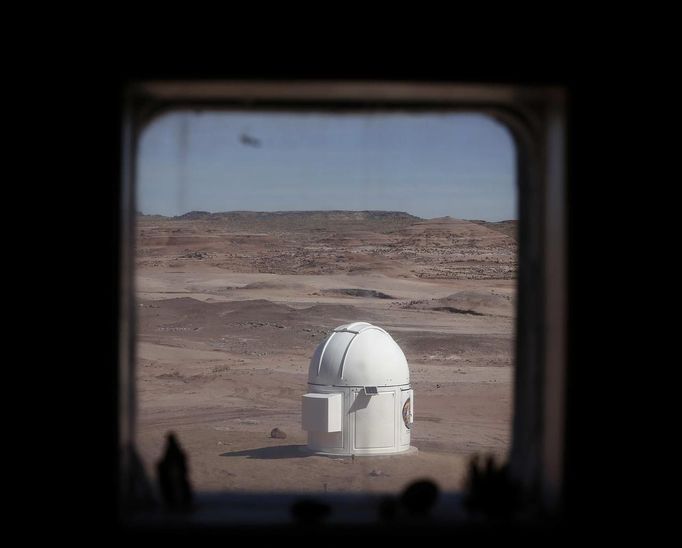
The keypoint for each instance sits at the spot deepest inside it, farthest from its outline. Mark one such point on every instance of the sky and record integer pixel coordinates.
(428, 165)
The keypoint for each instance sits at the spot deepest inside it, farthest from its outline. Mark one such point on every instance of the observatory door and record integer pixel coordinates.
(374, 415)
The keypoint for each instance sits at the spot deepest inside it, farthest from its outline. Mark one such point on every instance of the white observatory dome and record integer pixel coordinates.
(360, 401)
(358, 354)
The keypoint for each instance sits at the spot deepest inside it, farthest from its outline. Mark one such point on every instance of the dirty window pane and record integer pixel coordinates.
(259, 233)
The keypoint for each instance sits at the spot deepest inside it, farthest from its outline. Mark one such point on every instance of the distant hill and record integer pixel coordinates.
(335, 215)
(509, 228)
(152, 217)
(296, 221)
(392, 243)
(315, 220)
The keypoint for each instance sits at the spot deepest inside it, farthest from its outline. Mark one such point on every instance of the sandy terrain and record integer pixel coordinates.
(232, 306)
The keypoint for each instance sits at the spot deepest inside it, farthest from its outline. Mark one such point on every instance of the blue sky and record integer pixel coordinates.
(429, 165)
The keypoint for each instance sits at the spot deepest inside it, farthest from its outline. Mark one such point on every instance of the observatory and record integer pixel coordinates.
(360, 401)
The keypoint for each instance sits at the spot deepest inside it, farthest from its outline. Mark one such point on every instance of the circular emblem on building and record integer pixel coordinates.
(406, 413)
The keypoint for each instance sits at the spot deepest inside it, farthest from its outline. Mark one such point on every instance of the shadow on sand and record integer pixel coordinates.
(275, 452)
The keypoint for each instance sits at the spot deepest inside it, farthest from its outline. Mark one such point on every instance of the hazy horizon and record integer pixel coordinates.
(312, 211)
(429, 165)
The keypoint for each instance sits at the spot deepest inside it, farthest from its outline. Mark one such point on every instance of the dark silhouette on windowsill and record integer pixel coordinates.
(490, 492)
(173, 477)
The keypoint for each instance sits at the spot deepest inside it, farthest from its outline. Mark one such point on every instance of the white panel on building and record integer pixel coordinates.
(322, 412)
(374, 421)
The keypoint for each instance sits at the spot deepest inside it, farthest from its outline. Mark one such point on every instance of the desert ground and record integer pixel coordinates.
(231, 307)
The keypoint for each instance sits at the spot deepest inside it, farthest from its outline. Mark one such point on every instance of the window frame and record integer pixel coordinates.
(536, 119)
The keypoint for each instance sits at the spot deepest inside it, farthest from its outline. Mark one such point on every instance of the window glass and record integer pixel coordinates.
(258, 233)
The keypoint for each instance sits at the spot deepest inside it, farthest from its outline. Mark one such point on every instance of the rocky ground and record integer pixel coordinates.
(231, 307)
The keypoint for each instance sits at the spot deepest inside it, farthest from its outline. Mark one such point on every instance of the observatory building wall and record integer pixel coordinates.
(351, 407)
